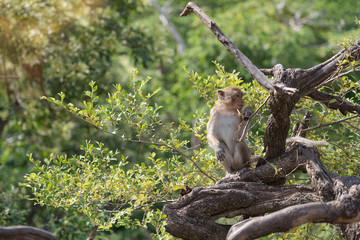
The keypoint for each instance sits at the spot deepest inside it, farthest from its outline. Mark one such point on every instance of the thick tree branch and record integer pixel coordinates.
(196, 212)
(306, 81)
(346, 209)
(316, 75)
(273, 170)
(285, 219)
(245, 62)
(335, 102)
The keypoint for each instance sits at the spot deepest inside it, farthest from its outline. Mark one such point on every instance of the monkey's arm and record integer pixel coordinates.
(216, 144)
(221, 151)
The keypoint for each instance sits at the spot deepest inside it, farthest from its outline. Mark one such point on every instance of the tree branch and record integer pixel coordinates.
(329, 124)
(8, 77)
(25, 232)
(245, 62)
(357, 69)
(273, 170)
(345, 209)
(313, 77)
(285, 219)
(306, 142)
(164, 18)
(93, 233)
(196, 212)
(339, 104)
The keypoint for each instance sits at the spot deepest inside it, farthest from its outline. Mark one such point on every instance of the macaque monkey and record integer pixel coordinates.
(225, 128)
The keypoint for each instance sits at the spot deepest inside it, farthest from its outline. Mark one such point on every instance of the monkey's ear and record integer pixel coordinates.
(221, 94)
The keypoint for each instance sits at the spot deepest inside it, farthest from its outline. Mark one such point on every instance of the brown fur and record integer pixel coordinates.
(224, 129)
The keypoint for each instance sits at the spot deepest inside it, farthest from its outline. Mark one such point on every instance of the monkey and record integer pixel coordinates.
(225, 127)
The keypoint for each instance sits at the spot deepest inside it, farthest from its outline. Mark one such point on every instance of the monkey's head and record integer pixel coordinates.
(231, 97)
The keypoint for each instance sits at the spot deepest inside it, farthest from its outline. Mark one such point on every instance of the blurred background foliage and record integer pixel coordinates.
(50, 46)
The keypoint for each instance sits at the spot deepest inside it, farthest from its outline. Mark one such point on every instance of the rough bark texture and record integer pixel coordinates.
(328, 198)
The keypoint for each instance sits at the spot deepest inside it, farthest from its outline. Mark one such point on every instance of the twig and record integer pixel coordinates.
(245, 62)
(340, 104)
(252, 115)
(93, 233)
(351, 125)
(357, 69)
(329, 124)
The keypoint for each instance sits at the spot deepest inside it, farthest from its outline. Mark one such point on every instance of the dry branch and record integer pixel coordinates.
(245, 62)
(306, 142)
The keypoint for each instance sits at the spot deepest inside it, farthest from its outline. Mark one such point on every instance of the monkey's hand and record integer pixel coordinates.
(220, 155)
(247, 114)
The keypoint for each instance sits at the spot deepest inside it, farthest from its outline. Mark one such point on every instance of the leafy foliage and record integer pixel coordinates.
(98, 184)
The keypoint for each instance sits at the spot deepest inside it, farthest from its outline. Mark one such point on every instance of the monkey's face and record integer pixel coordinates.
(237, 100)
(231, 97)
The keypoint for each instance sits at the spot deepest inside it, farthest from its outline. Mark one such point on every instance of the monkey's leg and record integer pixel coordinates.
(242, 156)
(225, 157)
